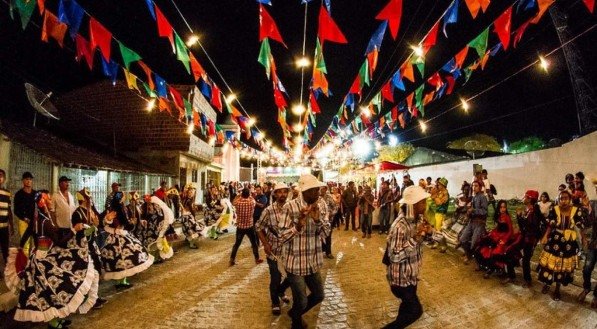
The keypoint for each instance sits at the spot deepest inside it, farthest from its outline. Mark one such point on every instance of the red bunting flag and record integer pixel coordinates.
(268, 27)
(590, 5)
(196, 67)
(409, 99)
(435, 80)
(519, 32)
(356, 86)
(451, 82)
(372, 59)
(212, 128)
(83, 51)
(314, 106)
(164, 27)
(216, 99)
(279, 99)
(100, 37)
(53, 28)
(392, 12)
(401, 120)
(431, 38)
(41, 4)
(176, 96)
(328, 30)
(501, 26)
(147, 71)
(387, 93)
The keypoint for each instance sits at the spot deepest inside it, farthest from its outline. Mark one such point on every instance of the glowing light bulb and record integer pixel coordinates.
(303, 62)
(230, 98)
(251, 122)
(366, 111)
(423, 126)
(298, 109)
(192, 40)
(298, 127)
(543, 63)
(269, 143)
(392, 140)
(418, 50)
(212, 141)
(150, 105)
(190, 128)
(465, 105)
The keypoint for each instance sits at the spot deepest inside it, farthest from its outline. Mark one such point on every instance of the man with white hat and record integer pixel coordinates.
(403, 256)
(304, 228)
(267, 231)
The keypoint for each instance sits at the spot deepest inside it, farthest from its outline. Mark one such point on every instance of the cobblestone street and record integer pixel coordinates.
(197, 289)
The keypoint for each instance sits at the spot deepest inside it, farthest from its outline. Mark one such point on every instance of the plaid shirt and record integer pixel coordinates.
(244, 212)
(303, 254)
(405, 253)
(332, 205)
(270, 220)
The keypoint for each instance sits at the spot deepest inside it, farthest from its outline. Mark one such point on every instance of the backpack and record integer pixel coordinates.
(492, 189)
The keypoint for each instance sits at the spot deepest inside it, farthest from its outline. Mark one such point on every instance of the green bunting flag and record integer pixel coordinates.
(312, 116)
(265, 54)
(377, 100)
(419, 99)
(148, 90)
(420, 65)
(364, 74)
(188, 107)
(25, 9)
(467, 74)
(480, 42)
(128, 55)
(181, 52)
(319, 60)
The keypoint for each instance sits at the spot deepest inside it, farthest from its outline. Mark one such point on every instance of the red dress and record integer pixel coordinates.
(497, 248)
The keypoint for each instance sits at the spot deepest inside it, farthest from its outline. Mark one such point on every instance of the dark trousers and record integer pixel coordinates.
(350, 213)
(327, 245)
(277, 287)
(240, 234)
(588, 269)
(4, 242)
(384, 219)
(410, 308)
(366, 223)
(527, 253)
(337, 218)
(301, 303)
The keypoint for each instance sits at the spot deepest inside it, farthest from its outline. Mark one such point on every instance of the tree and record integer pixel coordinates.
(397, 153)
(528, 144)
(476, 145)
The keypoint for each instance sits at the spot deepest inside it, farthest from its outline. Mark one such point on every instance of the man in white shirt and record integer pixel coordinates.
(63, 205)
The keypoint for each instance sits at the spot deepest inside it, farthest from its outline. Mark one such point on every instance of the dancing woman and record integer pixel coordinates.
(59, 278)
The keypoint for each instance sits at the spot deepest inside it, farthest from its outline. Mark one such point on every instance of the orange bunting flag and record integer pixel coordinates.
(395, 113)
(100, 37)
(409, 99)
(473, 6)
(147, 71)
(164, 27)
(372, 58)
(382, 121)
(268, 27)
(235, 112)
(501, 26)
(164, 105)
(519, 32)
(484, 60)
(428, 98)
(196, 121)
(313, 102)
(386, 91)
(406, 71)
(543, 6)
(320, 82)
(216, 99)
(196, 68)
(53, 28)
(41, 4)
(460, 57)
(131, 80)
(401, 120)
(589, 3)
(484, 4)
(83, 51)
(328, 30)
(392, 12)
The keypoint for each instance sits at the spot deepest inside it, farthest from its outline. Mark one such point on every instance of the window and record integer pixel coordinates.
(194, 176)
(183, 176)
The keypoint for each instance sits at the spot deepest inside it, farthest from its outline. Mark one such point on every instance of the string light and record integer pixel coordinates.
(150, 105)
(465, 105)
(251, 122)
(230, 98)
(303, 62)
(192, 40)
(418, 50)
(190, 128)
(423, 126)
(392, 140)
(212, 141)
(298, 109)
(269, 143)
(366, 111)
(298, 127)
(543, 63)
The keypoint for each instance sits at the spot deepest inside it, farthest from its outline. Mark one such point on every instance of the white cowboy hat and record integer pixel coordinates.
(413, 194)
(280, 186)
(308, 181)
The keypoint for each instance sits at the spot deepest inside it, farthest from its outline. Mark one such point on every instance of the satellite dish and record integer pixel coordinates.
(474, 148)
(41, 102)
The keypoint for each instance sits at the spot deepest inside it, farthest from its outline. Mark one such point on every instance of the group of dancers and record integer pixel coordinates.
(60, 273)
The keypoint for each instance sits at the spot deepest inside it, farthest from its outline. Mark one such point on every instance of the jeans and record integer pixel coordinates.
(384, 219)
(301, 303)
(276, 285)
(410, 308)
(527, 253)
(350, 213)
(588, 269)
(240, 234)
(471, 235)
(366, 223)
(337, 219)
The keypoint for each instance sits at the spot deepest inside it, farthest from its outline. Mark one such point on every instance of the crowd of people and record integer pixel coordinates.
(71, 245)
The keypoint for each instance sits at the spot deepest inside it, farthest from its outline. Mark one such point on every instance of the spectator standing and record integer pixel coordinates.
(6, 222)
(63, 206)
(529, 223)
(349, 203)
(385, 201)
(245, 206)
(366, 204)
(24, 207)
(476, 226)
(332, 209)
(589, 242)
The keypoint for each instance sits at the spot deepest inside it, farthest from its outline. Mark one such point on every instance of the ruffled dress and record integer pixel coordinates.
(500, 246)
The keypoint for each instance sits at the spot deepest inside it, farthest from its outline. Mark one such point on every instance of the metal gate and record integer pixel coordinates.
(95, 181)
(24, 159)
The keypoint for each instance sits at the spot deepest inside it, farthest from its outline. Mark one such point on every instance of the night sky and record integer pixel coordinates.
(531, 103)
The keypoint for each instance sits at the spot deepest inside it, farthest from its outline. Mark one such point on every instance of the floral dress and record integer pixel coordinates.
(59, 278)
(159, 217)
(212, 212)
(559, 257)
